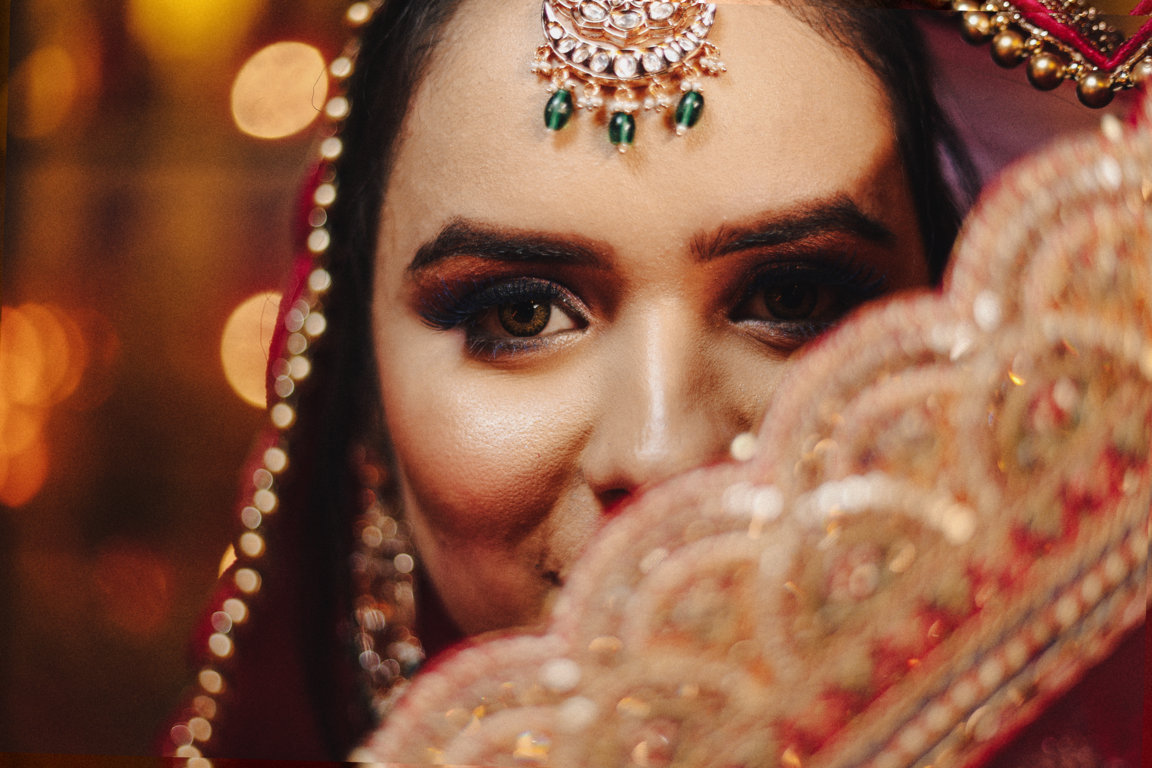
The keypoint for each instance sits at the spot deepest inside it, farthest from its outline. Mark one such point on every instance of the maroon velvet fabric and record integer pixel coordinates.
(1101, 719)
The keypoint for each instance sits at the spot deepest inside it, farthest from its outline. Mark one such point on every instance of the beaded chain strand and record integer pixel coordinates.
(382, 563)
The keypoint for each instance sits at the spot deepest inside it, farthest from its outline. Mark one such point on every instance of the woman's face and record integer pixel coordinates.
(558, 326)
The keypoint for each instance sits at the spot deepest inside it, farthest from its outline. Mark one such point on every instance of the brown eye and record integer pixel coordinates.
(792, 301)
(525, 318)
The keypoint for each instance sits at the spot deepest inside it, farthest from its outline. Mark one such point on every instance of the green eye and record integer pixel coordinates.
(525, 318)
(792, 301)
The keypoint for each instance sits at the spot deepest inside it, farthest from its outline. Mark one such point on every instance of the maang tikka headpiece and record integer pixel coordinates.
(623, 56)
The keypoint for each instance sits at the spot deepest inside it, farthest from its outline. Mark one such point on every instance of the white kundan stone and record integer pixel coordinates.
(625, 65)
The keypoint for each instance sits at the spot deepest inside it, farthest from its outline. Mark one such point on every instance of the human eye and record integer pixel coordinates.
(507, 317)
(786, 304)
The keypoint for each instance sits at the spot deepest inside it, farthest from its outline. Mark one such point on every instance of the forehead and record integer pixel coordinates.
(795, 118)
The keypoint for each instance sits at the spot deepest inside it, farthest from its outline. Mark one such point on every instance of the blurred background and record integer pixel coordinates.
(154, 150)
(153, 153)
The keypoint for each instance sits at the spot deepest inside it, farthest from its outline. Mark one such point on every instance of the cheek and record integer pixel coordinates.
(489, 469)
(486, 456)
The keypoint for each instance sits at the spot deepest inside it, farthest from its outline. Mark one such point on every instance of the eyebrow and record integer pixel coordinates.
(462, 237)
(840, 215)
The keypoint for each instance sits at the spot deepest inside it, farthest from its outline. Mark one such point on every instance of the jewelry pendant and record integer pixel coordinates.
(618, 57)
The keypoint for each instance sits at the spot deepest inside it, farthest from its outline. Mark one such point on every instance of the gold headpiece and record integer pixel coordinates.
(621, 56)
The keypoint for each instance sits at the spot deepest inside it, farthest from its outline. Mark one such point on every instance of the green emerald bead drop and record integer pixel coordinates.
(622, 129)
(689, 109)
(559, 110)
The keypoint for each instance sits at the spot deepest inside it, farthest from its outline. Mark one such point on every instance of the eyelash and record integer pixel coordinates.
(465, 306)
(852, 283)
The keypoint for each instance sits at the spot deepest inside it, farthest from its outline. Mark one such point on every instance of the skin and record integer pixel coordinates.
(510, 458)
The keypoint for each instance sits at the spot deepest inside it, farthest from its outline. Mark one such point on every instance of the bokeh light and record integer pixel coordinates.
(22, 360)
(65, 350)
(23, 474)
(43, 356)
(20, 427)
(245, 343)
(191, 30)
(280, 90)
(44, 87)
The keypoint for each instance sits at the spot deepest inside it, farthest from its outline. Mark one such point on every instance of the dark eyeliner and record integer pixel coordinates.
(856, 282)
(462, 306)
(850, 283)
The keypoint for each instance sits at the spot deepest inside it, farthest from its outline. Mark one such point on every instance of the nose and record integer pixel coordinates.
(667, 404)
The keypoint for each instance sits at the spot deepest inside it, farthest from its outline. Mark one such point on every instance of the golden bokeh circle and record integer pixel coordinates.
(245, 343)
(280, 90)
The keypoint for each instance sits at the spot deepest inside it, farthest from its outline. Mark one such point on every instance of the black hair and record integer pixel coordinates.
(295, 689)
(888, 41)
